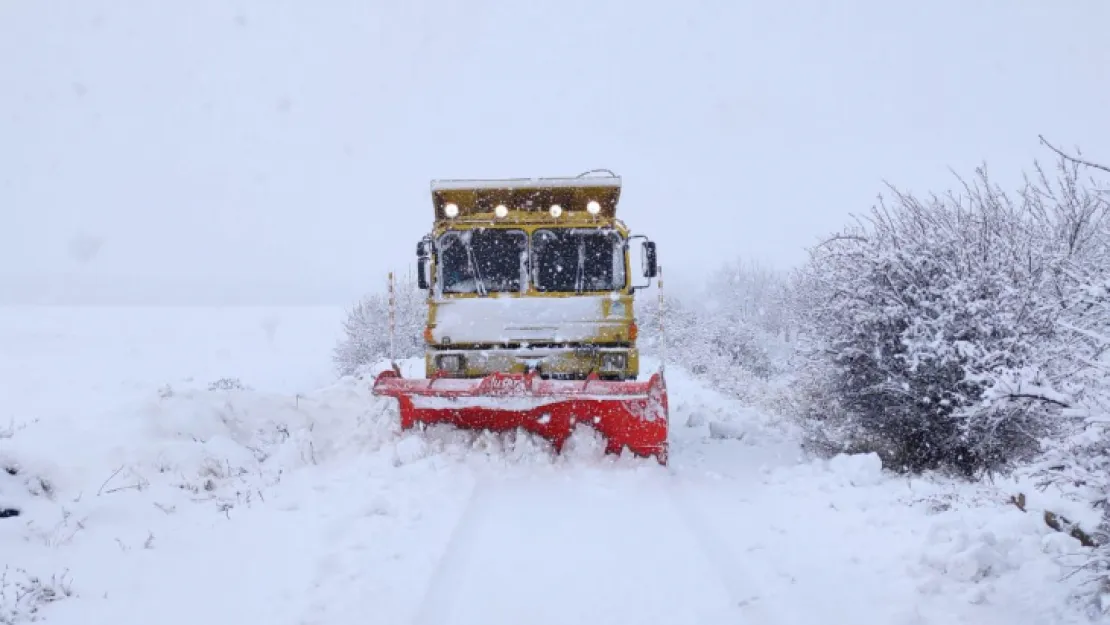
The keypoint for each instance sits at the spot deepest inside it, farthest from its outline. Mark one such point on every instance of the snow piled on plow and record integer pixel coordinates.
(210, 501)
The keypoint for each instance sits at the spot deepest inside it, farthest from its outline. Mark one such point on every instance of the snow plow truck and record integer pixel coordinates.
(530, 315)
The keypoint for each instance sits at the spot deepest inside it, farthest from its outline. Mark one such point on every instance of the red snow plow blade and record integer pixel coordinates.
(629, 415)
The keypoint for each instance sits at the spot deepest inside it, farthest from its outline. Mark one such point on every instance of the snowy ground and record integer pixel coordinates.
(146, 495)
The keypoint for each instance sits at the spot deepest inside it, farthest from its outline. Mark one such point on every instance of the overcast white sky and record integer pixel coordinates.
(282, 150)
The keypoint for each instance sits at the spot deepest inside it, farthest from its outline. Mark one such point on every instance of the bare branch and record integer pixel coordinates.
(114, 473)
(1038, 398)
(1073, 159)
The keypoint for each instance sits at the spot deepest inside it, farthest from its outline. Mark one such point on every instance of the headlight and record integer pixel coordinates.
(450, 362)
(614, 361)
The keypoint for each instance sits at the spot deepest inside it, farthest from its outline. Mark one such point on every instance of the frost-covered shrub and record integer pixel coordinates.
(749, 293)
(733, 333)
(1079, 465)
(747, 318)
(22, 595)
(651, 338)
(931, 324)
(366, 330)
(684, 338)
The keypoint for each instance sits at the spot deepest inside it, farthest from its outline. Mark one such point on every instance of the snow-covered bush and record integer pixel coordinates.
(366, 330)
(681, 338)
(748, 292)
(733, 333)
(747, 317)
(931, 325)
(1079, 465)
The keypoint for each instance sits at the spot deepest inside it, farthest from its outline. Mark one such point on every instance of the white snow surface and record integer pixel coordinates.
(526, 183)
(148, 497)
(491, 319)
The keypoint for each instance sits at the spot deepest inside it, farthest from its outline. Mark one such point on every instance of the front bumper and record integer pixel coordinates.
(575, 363)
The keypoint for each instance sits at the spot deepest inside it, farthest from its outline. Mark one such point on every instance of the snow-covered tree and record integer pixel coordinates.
(930, 324)
(366, 329)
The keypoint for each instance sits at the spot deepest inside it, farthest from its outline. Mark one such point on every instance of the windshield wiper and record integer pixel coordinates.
(580, 274)
(478, 282)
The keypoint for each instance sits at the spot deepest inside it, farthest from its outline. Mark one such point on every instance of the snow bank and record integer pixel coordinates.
(954, 546)
(113, 481)
(192, 472)
(220, 440)
(206, 500)
(190, 436)
(697, 406)
(206, 484)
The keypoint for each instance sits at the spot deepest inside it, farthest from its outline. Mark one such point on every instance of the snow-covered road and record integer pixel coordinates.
(566, 548)
(163, 500)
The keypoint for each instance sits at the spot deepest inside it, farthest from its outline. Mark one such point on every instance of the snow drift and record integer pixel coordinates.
(211, 501)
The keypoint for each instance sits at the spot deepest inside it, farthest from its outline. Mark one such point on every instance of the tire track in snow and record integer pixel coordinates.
(381, 542)
(581, 546)
(439, 596)
(746, 593)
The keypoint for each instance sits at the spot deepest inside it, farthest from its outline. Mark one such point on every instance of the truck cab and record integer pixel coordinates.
(532, 276)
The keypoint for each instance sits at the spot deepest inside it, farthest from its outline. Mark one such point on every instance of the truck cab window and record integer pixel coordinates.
(568, 261)
(483, 260)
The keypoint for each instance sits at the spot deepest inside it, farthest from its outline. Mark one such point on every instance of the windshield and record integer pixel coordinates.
(483, 260)
(569, 261)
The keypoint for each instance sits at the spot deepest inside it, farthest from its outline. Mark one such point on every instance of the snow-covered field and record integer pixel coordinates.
(151, 492)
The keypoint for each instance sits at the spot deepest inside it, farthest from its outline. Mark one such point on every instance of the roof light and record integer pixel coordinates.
(451, 209)
(501, 210)
(556, 210)
(593, 207)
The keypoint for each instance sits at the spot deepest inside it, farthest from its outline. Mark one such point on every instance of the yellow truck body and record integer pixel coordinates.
(531, 275)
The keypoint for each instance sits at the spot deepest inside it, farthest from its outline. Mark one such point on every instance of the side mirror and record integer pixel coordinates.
(651, 263)
(423, 253)
(422, 274)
